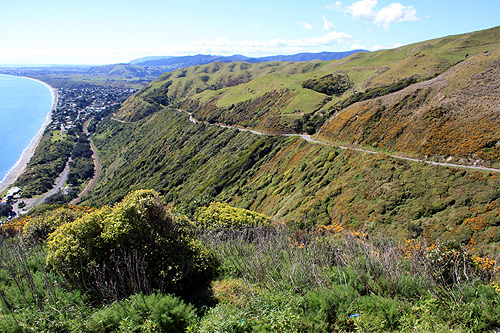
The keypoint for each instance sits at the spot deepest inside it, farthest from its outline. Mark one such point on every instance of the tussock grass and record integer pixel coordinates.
(330, 279)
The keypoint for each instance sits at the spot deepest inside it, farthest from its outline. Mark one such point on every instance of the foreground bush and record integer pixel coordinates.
(336, 280)
(130, 248)
(38, 226)
(153, 313)
(33, 299)
(263, 311)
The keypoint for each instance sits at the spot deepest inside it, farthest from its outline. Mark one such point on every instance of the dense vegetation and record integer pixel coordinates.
(273, 233)
(372, 93)
(281, 277)
(287, 177)
(329, 84)
(454, 116)
(81, 165)
(49, 160)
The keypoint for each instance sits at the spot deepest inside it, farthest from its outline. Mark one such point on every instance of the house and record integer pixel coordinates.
(13, 191)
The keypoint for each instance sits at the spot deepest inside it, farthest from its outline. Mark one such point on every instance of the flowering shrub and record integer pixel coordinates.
(222, 216)
(449, 262)
(38, 227)
(132, 247)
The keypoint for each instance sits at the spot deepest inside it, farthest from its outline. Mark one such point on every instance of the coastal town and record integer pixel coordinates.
(75, 104)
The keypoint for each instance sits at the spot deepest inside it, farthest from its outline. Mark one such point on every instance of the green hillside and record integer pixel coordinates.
(197, 224)
(240, 93)
(287, 177)
(434, 100)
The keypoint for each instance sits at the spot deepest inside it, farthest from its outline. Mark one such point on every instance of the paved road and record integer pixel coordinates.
(61, 180)
(308, 138)
(97, 165)
(30, 203)
(120, 121)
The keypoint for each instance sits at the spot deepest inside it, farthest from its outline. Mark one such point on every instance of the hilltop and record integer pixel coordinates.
(276, 196)
(152, 67)
(436, 100)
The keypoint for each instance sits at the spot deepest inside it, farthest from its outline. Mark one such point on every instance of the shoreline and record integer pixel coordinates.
(29, 151)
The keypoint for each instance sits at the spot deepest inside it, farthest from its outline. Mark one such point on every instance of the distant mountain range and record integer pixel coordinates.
(202, 59)
(152, 67)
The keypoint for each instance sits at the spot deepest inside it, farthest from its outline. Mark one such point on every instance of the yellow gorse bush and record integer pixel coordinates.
(222, 216)
(137, 237)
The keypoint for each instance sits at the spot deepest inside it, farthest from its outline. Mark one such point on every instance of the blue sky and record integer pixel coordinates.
(109, 31)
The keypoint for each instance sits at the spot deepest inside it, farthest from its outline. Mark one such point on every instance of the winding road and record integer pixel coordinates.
(30, 203)
(308, 138)
(97, 166)
(61, 180)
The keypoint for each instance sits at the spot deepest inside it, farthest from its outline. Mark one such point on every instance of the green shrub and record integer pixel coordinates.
(379, 314)
(266, 311)
(130, 248)
(226, 318)
(450, 263)
(39, 226)
(222, 216)
(33, 299)
(153, 313)
(331, 84)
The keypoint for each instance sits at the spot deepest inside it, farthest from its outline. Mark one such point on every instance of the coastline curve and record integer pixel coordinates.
(28, 152)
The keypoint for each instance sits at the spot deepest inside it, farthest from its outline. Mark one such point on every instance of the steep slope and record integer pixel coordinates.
(455, 115)
(437, 98)
(287, 177)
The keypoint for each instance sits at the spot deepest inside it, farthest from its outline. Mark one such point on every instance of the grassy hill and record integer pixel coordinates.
(353, 241)
(436, 99)
(277, 97)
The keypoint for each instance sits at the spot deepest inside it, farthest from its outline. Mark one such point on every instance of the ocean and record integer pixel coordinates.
(24, 106)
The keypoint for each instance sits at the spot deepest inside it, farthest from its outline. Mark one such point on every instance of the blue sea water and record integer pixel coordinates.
(24, 106)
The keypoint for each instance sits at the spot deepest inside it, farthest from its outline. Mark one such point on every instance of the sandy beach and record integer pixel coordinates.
(21, 164)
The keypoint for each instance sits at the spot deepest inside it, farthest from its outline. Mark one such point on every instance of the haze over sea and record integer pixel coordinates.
(24, 106)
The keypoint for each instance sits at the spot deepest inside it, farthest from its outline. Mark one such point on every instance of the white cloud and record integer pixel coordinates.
(221, 46)
(225, 46)
(395, 12)
(327, 25)
(328, 39)
(305, 25)
(362, 8)
(359, 47)
(337, 6)
(376, 47)
(365, 9)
